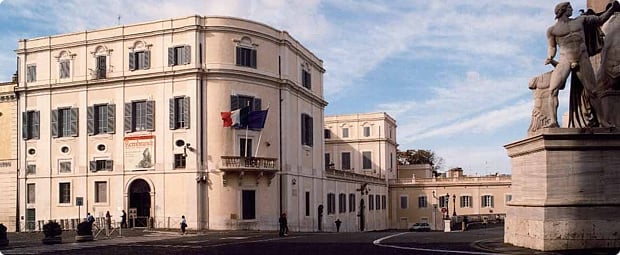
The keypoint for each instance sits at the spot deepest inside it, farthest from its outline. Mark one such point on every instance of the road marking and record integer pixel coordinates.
(378, 243)
(235, 238)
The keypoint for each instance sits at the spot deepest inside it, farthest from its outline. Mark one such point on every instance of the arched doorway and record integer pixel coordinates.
(140, 200)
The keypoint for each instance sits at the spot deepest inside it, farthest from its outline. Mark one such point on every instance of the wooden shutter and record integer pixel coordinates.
(36, 124)
(171, 56)
(147, 60)
(310, 131)
(239, 53)
(257, 104)
(128, 122)
(132, 61)
(90, 120)
(186, 111)
(150, 115)
(109, 165)
(74, 121)
(187, 54)
(111, 118)
(92, 165)
(234, 102)
(253, 59)
(54, 123)
(171, 114)
(25, 126)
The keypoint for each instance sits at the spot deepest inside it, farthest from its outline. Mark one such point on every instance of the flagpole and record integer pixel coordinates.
(260, 135)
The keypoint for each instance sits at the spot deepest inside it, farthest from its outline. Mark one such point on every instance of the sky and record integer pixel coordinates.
(453, 73)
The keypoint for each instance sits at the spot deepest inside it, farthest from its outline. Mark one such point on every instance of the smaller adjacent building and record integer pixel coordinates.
(418, 196)
(8, 156)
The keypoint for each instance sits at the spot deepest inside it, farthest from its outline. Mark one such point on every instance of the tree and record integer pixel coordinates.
(410, 157)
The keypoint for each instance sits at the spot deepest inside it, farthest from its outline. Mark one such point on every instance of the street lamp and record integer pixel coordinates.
(454, 202)
(447, 205)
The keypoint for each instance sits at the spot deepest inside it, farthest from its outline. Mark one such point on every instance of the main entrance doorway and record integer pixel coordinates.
(140, 200)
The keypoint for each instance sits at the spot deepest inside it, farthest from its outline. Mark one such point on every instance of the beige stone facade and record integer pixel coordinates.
(129, 118)
(416, 196)
(360, 155)
(8, 156)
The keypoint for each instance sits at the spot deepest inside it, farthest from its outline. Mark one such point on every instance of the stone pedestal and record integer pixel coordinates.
(446, 226)
(565, 190)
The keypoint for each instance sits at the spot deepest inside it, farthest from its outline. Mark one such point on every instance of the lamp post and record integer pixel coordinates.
(447, 205)
(454, 204)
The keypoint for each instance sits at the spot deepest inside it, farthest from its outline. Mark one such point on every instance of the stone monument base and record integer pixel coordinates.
(565, 190)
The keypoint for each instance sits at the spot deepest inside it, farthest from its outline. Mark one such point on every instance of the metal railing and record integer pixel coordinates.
(483, 179)
(237, 162)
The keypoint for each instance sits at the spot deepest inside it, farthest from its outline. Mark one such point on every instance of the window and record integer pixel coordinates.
(371, 202)
(466, 202)
(346, 160)
(328, 161)
(64, 166)
(306, 80)
(101, 119)
(30, 125)
(366, 131)
(366, 160)
(422, 202)
(383, 202)
(64, 68)
(31, 193)
(64, 194)
(403, 202)
(378, 202)
(180, 160)
(101, 192)
(179, 55)
(345, 132)
(31, 73)
(245, 147)
(308, 203)
(248, 204)
(65, 122)
(331, 203)
(443, 201)
(306, 130)
(179, 112)
(508, 198)
(327, 134)
(101, 164)
(246, 57)
(139, 60)
(342, 203)
(139, 116)
(487, 201)
(101, 67)
(31, 169)
(351, 202)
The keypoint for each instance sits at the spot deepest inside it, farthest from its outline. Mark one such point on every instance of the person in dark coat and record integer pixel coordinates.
(283, 225)
(124, 220)
(338, 222)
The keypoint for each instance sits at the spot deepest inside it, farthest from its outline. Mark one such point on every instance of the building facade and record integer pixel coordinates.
(130, 118)
(360, 157)
(418, 196)
(8, 156)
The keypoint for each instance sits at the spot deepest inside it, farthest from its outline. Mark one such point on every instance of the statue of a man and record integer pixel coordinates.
(570, 35)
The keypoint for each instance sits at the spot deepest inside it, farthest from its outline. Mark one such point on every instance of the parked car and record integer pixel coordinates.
(420, 227)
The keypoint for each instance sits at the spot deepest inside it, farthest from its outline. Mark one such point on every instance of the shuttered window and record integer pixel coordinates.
(101, 165)
(179, 55)
(345, 158)
(139, 116)
(240, 101)
(64, 68)
(306, 79)
(140, 60)
(246, 57)
(30, 125)
(307, 136)
(101, 119)
(65, 122)
(179, 113)
(366, 160)
(101, 67)
(64, 196)
(101, 192)
(31, 73)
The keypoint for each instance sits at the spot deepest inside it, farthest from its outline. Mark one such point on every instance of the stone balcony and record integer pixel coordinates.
(453, 180)
(252, 167)
(350, 175)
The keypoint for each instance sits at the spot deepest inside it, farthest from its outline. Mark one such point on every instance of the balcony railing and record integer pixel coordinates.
(482, 179)
(350, 175)
(248, 166)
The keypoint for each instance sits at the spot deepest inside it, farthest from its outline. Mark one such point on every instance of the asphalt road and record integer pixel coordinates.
(474, 242)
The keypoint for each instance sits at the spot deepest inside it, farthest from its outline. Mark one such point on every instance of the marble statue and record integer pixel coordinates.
(545, 103)
(578, 39)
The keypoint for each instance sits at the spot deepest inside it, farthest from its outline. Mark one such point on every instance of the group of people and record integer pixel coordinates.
(91, 219)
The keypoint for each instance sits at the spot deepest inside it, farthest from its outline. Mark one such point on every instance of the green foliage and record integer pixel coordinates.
(411, 157)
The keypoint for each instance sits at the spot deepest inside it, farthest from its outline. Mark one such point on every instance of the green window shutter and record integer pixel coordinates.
(74, 121)
(36, 123)
(90, 120)
(187, 55)
(25, 126)
(150, 115)
(111, 118)
(171, 114)
(171, 56)
(54, 123)
(147, 60)
(186, 111)
(128, 122)
(132, 61)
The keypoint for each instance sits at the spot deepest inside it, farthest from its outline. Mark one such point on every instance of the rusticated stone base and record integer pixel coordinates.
(565, 190)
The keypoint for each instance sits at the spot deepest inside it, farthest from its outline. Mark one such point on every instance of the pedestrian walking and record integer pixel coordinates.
(283, 225)
(124, 220)
(183, 224)
(90, 219)
(338, 222)
(108, 219)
